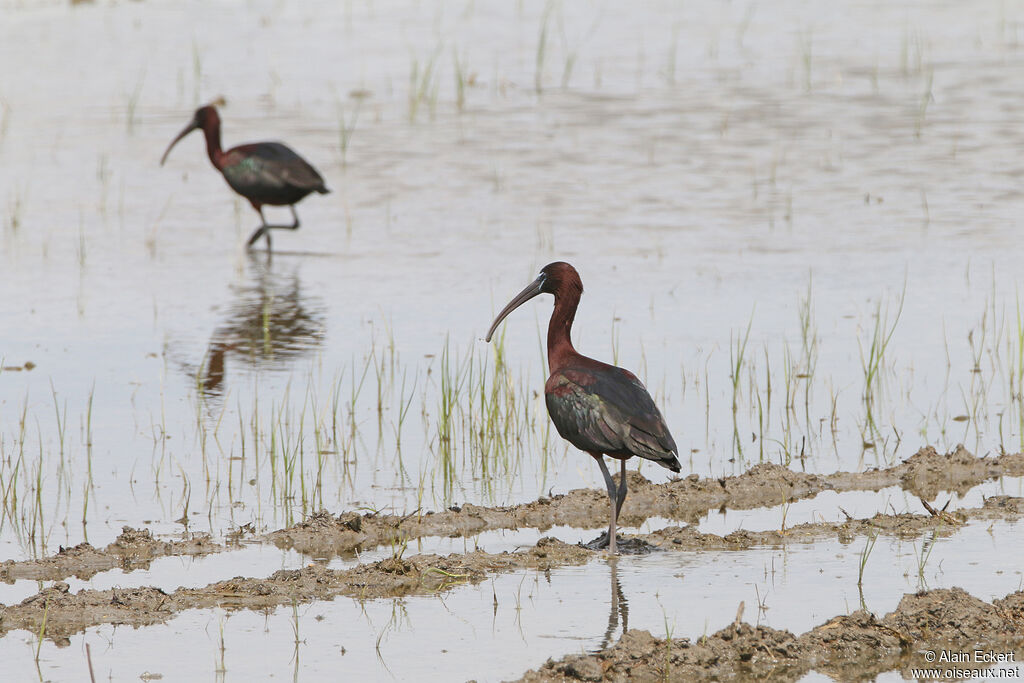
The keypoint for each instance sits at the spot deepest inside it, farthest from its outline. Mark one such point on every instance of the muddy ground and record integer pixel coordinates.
(325, 535)
(852, 647)
(133, 549)
(858, 642)
(924, 474)
(67, 613)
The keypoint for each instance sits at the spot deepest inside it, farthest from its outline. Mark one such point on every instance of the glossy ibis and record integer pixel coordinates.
(262, 172)
(598, 408)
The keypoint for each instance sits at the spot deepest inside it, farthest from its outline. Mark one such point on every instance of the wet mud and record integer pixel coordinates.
(132, 549)
(850, 647)
(853, 647)
(924, 474)
(325, 535)
(905, 526)
(66, 613)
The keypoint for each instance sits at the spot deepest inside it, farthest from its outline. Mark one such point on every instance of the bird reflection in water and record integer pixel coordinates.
(269, 323)
(618, 610)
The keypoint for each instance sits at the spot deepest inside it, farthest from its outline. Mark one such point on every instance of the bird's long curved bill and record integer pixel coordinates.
(532, 290)
(188, 129)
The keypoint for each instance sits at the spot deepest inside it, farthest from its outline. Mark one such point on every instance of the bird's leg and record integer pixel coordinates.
(611, 499)
(264, 229)
(295, 219)
(620, 496)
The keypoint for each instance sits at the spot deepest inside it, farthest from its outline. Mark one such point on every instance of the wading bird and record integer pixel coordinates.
(598, 408)
(262, 172)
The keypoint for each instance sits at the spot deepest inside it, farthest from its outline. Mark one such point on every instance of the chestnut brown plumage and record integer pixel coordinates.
(598, 408)
(262, 172)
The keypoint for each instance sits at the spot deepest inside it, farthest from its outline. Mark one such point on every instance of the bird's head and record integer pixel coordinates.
(558, 278)
(205, 118)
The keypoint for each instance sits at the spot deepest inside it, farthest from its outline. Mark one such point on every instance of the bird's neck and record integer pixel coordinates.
(560, 348)
(213, 150)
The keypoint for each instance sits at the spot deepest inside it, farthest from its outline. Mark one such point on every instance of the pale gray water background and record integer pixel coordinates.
(704, 166)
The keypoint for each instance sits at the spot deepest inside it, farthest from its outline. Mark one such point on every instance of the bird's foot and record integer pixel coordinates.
(625, 546)
(258, 233)
(599, 543)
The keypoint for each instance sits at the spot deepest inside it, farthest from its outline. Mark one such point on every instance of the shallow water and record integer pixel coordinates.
(541, 615)
(800, 168)
(830, 506)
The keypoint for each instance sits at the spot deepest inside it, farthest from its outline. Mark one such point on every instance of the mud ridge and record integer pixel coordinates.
(66, 613)
(852, 647)
(906, 525)
(132, 549)
(924, 474)
(324, 534)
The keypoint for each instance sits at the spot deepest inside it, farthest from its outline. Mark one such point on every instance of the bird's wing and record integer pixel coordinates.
(609, 411)
(271, 165)
(579, 416)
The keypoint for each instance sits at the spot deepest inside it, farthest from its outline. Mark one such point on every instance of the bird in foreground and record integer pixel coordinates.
(598, 408)
(262, 172)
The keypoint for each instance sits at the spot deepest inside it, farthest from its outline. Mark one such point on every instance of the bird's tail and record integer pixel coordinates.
(670, 461)
(323, 189)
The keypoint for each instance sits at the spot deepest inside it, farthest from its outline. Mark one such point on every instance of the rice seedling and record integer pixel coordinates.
(872, 365)
(865, 553)
(220, 667)
(453, 380)
(570, 48)
(450, 579)
(737, 350)
(616, 338)
(545, 235)
(461, 79)
(186, 496)
(671, 58)
(133, 102)
(922, 106)
(922, 556)
(90, 487)
(808, 347)
(423, 84)
(197, 72)
(151, 235)
(806, 45)
(1015, 350)
(103, 175)
(42, 628)
(346, 126)
(669, 632)
(784, 508)
(542, 46)
(16, 208)
(37, 533)
(762, 418)
(790, 375)
(762, 604)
